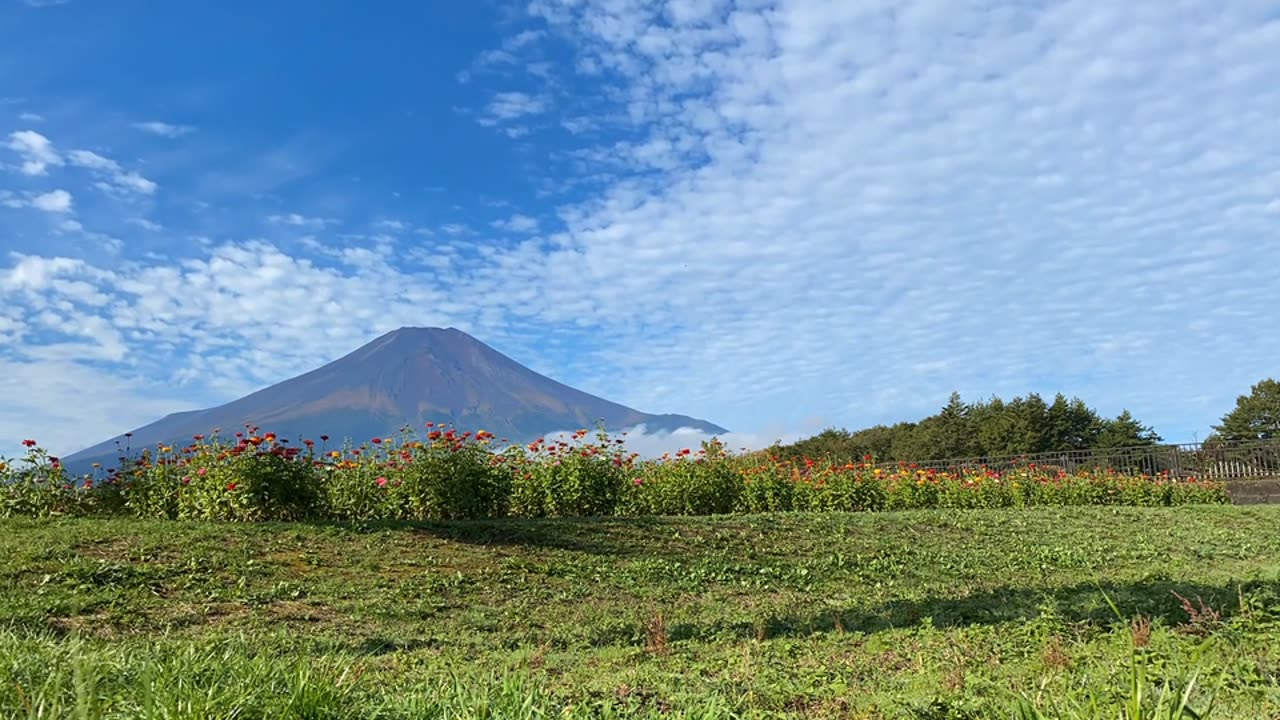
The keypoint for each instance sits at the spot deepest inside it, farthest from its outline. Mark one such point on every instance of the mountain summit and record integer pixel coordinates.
(407, 376)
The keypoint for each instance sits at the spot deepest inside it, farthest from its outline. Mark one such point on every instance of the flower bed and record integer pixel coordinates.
(453, 475)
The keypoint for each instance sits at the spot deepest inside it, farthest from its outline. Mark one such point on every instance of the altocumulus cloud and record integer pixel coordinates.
(810, 208)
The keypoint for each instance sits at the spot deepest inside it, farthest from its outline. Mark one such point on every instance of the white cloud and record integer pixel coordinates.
(92, 160)
(38, 155)
(45, 3)
(146, 224)
(135, 182)
(393, 225)
(36, 151)
(164, 129)
(116, 176)
(30, 117)
(512, 105)
(296, 220)
(54, 201)
(517, 223)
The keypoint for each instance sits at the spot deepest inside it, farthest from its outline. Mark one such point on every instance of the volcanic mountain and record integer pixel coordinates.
(409, 376)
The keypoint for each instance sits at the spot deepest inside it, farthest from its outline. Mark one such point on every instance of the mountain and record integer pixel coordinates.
(408, 376)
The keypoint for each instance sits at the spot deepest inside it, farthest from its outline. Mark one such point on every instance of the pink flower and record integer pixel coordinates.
(382, 482)
(202, 472)
(637, 481)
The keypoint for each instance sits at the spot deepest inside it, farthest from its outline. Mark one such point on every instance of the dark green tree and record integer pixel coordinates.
(983, 429)
(1070, 425)
(1125, 431)
(1255, 417)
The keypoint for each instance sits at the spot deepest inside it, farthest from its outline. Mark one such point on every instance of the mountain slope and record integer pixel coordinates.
(407, 376)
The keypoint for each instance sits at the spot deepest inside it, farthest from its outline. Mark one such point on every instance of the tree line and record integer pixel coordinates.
(1025, 425)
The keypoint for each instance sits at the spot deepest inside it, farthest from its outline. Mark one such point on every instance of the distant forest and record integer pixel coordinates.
(1024, 425)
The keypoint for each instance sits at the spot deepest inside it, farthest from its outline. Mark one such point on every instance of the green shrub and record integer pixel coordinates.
(451, 477)
(569, 478)
(257, 479)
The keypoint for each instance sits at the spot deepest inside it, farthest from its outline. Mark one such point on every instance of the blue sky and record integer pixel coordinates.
(777, 216)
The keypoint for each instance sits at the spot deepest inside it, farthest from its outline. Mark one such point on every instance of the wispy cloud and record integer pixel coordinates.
(30, 117)
(114, 177)
(507, 106)
(145, 224)
(302, 221)
(164, 129)
(518, 224)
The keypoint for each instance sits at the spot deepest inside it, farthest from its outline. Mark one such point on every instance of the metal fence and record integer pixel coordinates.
(1218, 461)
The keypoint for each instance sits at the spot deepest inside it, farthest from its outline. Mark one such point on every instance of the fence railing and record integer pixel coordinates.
(1213, 460)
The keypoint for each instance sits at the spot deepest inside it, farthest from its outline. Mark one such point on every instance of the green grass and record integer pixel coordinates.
(928, 614)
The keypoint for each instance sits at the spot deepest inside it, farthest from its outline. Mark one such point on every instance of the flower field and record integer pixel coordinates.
(447, 474)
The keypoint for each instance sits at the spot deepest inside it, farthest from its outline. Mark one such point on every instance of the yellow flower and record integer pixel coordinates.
(335, 454)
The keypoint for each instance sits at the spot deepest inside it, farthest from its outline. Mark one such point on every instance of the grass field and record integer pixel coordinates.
(923, 614)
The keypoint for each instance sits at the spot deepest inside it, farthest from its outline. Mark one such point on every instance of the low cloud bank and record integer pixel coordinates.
(653, 444)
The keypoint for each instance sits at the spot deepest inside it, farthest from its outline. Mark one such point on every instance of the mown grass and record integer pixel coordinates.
(922, 614)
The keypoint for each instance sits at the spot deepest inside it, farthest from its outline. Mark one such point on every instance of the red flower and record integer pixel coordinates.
(29, 443)
(376, 441)
(324, 438)
(197, 438)
(231, 486)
